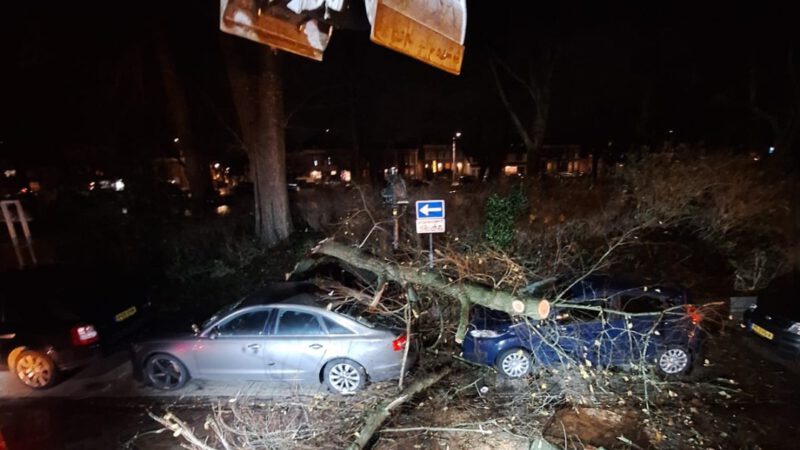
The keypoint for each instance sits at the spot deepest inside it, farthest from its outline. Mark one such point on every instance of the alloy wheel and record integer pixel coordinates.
(673, 361)
(344, 378)
(516, 364)
(164, 373)
(34, 370)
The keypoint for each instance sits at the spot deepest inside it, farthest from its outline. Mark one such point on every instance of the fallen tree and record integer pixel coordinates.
(375, 418)
(467, 293)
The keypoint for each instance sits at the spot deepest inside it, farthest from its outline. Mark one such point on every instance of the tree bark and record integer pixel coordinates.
(268, 156)
(257, 90)
(465, 292)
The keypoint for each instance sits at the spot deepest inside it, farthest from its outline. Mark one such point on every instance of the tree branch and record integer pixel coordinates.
(465, 292)
(523, 133)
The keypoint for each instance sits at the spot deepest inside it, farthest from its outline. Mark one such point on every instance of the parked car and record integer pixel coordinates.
(284, 332)
(52, 319)
(776, 315)
(597, 335)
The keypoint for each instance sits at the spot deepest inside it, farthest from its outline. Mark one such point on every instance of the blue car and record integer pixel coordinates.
(599, 321)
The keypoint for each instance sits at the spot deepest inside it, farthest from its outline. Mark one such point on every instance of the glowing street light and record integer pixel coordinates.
(453, 166)
(176, 140)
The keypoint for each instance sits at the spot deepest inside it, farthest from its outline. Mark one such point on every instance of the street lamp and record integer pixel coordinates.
(453, 165)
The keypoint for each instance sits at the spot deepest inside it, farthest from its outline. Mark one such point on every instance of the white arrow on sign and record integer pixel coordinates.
(426, 208)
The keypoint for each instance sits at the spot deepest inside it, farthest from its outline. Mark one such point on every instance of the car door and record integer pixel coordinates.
(234, 348)
(7, 334)
(578, 327)
(297, 346)
(646, 324)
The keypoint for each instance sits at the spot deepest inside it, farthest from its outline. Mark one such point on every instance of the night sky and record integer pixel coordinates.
(82, 81)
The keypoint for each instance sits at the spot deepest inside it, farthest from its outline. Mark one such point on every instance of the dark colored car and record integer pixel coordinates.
(584, 328)
(776, 316)
(52, 320)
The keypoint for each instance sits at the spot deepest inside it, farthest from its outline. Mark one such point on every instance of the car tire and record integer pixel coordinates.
(344, 376)
(514, 363)
(673, 361)
(165, 372)
(35, 369)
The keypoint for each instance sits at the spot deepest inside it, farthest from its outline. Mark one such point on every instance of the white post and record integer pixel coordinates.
(12, 231)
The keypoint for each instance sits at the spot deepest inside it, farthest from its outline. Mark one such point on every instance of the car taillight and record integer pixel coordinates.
(694, 314)
(399, 344)
(84, 335)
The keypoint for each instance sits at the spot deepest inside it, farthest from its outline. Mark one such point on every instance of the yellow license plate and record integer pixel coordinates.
(125, 314)
(762, 332)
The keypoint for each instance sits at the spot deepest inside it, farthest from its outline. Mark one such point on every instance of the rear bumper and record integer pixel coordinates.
(784, 341)
(75, 357)
(392, 371)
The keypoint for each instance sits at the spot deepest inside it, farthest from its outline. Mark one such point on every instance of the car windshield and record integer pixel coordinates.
(224, 311)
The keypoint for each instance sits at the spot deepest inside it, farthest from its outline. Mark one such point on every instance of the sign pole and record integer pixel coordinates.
(430, 250)
(430, 219)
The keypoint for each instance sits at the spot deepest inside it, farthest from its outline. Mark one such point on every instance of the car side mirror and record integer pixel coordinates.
(214, 333)
(195, 328)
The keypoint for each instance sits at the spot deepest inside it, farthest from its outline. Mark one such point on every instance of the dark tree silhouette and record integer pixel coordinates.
(257, 91)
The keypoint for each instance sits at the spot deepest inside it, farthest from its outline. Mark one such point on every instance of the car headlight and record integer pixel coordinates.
(484, 333)
(795, 328)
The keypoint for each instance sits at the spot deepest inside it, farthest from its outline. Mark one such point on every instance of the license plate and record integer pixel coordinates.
(125, 314)
(762, 332)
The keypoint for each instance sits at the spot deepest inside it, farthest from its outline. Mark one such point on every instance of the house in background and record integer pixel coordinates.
(561, 160)
(436, 160)
(318, 166)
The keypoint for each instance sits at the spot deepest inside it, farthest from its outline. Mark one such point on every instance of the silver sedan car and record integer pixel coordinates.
(295, 339)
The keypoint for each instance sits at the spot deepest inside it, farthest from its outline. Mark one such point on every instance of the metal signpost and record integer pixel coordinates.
(430, 219)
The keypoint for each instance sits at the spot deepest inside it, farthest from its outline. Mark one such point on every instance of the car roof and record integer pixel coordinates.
(603, 285)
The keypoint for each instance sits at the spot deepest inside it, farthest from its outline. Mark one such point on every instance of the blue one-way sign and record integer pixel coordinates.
(430, 209)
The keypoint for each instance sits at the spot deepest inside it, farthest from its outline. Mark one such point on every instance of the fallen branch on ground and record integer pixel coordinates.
(374, 419)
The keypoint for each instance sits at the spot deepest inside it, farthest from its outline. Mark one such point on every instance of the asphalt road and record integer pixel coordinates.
(112, 377)
(104, 407)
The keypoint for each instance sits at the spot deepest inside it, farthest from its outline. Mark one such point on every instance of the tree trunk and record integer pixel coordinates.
(534, 151)
(268, 156)
(465, 292)
(257, 91)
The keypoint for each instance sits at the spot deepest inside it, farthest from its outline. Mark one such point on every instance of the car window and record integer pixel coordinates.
(638, 303)
(297, 323)
(566, 314)
(335, 328)
(246, 324)
(224, 311)
(363, 315)
(38, 310)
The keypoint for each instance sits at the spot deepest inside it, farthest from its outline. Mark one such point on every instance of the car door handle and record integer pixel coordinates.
(254, 346)
(316, 346)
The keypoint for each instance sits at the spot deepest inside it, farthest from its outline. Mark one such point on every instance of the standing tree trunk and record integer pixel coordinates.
(257, 91)
(268, 156)
(537, 86)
